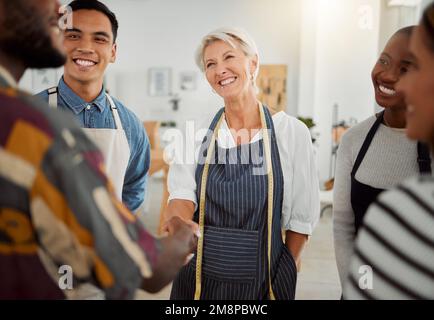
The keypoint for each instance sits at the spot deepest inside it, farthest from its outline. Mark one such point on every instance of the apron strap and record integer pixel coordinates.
(115, 112)
(210, 150)
(270, 207)
(367, 143)
(204, 178)
(52, 97)
(52, 101)
(423, 158)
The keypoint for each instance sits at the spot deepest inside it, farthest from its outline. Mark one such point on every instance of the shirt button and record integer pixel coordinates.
(88, 107)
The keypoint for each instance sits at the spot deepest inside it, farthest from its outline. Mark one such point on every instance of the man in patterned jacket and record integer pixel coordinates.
(58, 211)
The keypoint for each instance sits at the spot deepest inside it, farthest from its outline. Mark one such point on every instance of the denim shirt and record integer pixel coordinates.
(100, 116)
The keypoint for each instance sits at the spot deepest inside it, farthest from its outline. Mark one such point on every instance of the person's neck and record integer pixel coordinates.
(394, 117)
(88, 91)
(14, 66)
(242, 113)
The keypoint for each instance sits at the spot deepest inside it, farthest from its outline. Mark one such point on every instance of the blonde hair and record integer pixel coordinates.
(232, 36)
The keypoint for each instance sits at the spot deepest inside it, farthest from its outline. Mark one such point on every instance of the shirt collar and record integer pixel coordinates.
(76, 103)
(7, 77)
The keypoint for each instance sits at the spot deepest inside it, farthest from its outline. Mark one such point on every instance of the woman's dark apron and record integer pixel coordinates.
(235, 261)
(363, 195)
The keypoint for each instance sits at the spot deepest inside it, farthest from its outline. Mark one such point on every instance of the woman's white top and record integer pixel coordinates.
(300, 209)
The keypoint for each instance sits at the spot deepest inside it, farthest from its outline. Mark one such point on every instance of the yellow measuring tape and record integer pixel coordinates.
(267, 149)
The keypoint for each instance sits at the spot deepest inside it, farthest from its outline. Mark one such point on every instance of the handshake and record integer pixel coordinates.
(177, 248)
(185, 232)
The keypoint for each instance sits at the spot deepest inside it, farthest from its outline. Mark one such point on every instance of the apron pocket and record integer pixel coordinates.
(285, 279)
(230, 254)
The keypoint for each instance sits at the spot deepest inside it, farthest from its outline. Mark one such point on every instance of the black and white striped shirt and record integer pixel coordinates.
(394, 252)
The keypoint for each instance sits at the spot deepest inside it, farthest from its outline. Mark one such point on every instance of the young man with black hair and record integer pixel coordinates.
(90, 47)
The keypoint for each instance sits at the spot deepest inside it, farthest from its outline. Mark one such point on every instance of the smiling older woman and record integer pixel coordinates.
(257, 177)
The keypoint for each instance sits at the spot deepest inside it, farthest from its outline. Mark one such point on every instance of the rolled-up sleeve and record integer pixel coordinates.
(181, 182)
(182, 153)
(301, 207)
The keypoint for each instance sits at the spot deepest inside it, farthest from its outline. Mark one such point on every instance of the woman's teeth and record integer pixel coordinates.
(387, 91)
(226, 81)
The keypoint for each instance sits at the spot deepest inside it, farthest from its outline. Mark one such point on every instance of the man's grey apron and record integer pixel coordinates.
(234, 263)
(112, 143)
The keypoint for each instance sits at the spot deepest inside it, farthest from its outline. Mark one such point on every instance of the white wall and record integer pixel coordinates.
(344, 37)
(328, 55)
(423, 5)
(330, 47)
(165, 33)
(394, 18)
(308, 52)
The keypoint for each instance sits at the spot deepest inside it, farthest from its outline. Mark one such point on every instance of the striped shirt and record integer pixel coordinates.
(58, 212)
(394, 253)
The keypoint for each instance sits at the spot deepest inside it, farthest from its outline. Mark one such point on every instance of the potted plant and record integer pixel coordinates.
(310, 125)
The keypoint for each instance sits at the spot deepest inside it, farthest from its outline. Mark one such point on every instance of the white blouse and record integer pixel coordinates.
(300, 210)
